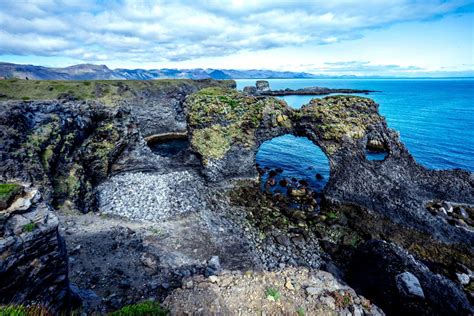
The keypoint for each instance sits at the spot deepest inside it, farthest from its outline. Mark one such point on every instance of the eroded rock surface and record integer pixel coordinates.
(33, 259)
(175, 215)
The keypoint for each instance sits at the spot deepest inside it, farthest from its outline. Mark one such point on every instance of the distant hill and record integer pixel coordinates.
(95, 72)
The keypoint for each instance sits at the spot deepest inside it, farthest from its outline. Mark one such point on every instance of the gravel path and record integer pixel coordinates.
(150, 196)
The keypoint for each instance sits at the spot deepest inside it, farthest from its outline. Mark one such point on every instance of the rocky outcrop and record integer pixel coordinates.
(64, 148)
(226, 129)
(396, 188)
(33, 259)
(290, 291)
(92, 155)
(403, 285)
(262, 87)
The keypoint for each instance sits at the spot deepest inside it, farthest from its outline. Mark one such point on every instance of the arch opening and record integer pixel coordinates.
(292, 166)
(376, 150)
(168, 144)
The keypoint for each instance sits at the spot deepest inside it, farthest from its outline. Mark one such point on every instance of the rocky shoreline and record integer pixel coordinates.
(392, 236)
(262, 87)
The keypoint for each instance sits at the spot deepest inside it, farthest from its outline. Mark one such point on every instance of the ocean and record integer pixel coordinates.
(435, 118)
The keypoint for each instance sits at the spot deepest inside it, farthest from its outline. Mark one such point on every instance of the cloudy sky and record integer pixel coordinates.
(373, 37)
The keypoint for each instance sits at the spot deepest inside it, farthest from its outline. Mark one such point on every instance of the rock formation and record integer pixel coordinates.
(33, 259)
(87, 150)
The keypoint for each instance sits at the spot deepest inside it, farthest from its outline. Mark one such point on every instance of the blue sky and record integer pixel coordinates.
(390, 37)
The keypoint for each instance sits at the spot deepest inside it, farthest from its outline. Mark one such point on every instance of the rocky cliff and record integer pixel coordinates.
(175, 160)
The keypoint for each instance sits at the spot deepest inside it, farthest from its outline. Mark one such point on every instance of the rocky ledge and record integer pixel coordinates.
(33, 260)
(262, 87)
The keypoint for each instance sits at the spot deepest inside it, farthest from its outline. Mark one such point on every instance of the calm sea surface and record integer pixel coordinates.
(435, 118)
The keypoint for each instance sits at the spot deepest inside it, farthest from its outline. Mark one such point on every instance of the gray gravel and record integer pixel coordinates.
(150, 196)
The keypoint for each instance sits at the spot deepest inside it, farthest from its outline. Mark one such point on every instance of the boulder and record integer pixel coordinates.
(250, 90)
(402, 285)
(262, 86)
(409, 285)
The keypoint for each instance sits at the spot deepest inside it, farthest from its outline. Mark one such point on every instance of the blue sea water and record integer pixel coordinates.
(435, 118)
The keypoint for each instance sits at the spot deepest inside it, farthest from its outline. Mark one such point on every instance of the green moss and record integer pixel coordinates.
(47, 156)
(211, 142)
(42, 141)
(147, 308)
(20, 310)
(341, 116)
(223, 117)
(31, 226)
(70, 184)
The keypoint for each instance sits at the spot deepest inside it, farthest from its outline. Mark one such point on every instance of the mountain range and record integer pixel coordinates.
(102, 72)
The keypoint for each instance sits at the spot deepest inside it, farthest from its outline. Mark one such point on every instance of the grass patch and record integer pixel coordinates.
(31, 226)
(8, 189)
(272, 294)
(7, 192)
(147, 308)
(20, 310)
(108, 91)
(300, 311)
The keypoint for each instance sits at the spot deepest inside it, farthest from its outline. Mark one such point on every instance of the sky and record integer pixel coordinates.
(332, 37)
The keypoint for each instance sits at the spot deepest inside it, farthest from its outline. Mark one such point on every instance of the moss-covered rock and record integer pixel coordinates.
(221, 118)
(336, 117)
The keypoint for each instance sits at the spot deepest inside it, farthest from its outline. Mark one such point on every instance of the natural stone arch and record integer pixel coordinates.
(310, 168)
(396, 188)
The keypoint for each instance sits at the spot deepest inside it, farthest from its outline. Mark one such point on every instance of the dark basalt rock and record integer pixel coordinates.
(262, 87)
(33, 259)
(67, 148)
(376, 269)
(397, 187)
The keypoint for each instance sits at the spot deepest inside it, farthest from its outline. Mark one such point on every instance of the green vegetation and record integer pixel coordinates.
(20, 310)
(7, 192)
(332, 215)
(107, 91)
(7, 189)
(273, 294)
(147, 308)
(223, 117)
(31, 226)
(300, 311)
(69, 184)
(341, 116)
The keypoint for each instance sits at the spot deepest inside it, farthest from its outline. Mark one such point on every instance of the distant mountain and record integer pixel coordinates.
(96, 72)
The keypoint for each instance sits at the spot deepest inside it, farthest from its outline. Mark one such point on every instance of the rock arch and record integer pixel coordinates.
(226, 129)
(283, 159)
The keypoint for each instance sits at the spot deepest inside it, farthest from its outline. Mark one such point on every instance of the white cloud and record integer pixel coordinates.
(156, 31)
